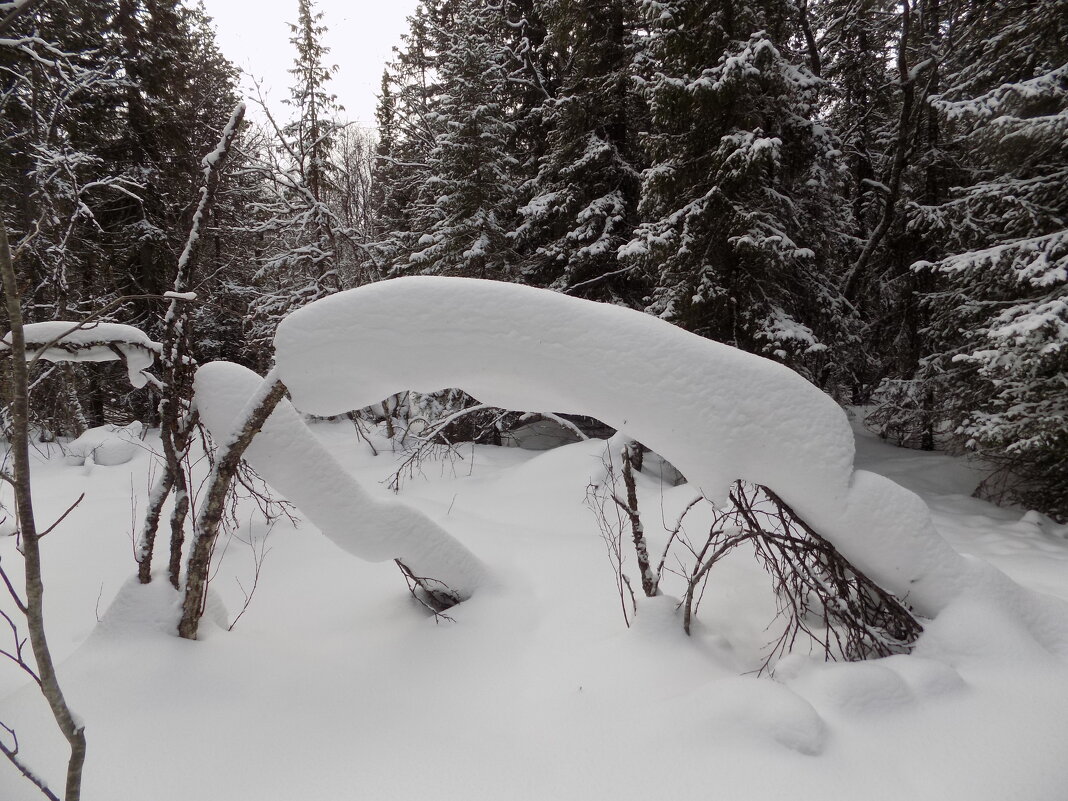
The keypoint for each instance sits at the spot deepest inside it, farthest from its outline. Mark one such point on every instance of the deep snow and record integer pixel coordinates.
(336, 685)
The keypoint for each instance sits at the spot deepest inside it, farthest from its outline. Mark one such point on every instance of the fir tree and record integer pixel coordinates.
(999, 362)
(581, 206)
(739, 206)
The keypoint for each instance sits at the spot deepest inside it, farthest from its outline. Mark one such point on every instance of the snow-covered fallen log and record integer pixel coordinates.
(717, 413)
(65, 341)
(289, 458)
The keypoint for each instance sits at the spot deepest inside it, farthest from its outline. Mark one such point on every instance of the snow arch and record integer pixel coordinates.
(717, 413)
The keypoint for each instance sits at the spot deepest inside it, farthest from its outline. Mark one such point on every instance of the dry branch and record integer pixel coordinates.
(819, 593)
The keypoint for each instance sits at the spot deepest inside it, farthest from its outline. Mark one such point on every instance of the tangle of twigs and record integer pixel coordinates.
(819, 593)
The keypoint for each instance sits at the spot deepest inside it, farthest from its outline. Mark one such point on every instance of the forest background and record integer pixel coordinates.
(873, 193)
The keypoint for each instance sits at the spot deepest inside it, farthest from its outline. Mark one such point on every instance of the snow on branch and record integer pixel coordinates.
(287, 455)
(64, 341)
(717, 413)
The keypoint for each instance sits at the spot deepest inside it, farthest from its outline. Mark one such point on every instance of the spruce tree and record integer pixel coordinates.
(465, 205)
(739, 205)
(998, 366)
(407, 130)
(581, 207)
(302, 233)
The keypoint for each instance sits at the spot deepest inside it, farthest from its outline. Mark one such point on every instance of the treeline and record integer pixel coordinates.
(872, 192)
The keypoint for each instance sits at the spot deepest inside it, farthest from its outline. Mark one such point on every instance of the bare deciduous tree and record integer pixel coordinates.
(33, 606)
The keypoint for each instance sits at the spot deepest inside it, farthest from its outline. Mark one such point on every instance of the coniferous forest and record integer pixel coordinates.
(873, 193)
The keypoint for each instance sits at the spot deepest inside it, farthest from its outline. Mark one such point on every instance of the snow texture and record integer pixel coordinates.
(289, 458)
(106, 445)
(92, 342)
(538, 689)
(715, 412)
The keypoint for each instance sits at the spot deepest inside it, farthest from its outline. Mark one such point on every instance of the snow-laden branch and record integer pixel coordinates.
(290, 458)
(63, 341)
(717, 413)
(212, 165)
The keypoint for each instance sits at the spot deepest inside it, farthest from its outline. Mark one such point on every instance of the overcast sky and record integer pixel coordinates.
(360, 34)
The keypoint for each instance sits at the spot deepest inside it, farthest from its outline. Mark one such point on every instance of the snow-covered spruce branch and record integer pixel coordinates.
(61, 340)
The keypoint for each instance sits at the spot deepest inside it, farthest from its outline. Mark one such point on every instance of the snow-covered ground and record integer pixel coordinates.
(336, 684)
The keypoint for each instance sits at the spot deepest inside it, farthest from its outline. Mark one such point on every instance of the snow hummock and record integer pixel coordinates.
(715, 412)
(89, 342)
(107, 445)
(289, 458)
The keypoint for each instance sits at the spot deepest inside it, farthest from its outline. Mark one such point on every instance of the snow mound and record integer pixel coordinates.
(717, 413)
(145, 611)
(926, 678)
(766, 710)
(290, 458)
(93, 342)
(106, 445)
(855, 689)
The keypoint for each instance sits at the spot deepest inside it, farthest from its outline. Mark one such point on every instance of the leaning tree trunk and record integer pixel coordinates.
(227, 460)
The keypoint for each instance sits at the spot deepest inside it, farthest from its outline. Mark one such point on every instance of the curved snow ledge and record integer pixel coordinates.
(64, 341)
(289, 458)
(715, 412)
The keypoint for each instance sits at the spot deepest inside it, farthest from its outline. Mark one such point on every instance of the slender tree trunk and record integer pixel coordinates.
(73, 730)
(907, 83)
(176, 424)
(814, 62)
(160, 492)
(650, 580)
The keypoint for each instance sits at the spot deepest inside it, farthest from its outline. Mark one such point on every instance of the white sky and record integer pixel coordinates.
(360, 34)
